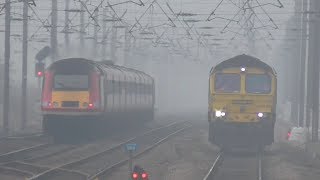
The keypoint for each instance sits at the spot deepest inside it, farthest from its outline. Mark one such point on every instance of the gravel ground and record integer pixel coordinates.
(185, 157)
(287, 162)
(189, 155)
(113, 136)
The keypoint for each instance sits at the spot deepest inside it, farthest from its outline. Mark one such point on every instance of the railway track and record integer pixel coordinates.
(24, 136)
(29, 163)
(102, 163)
(236, 166)
(21, 143)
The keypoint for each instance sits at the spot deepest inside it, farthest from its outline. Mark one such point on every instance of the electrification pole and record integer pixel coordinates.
(104, 33)
(303, 61)
(95, 38)
(127, 46)
(66, 26)
(113, 44)
(315, 97)
(24, 64)
(54, 21)
(311, 50)
(6, 92)
(82, 27)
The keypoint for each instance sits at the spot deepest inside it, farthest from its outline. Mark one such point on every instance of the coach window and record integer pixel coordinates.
(115, 86)
(129, 88)
(120, 86)
(109, 87)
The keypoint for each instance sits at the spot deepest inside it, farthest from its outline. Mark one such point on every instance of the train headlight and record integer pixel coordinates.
(260, 115)
(220, 114)
(243, 69)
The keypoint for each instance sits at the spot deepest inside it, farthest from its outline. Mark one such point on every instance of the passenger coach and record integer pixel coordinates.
(80, 92)
(242, 102)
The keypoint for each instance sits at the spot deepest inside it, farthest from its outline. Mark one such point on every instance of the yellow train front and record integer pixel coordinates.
(78, 94)
(242, 103)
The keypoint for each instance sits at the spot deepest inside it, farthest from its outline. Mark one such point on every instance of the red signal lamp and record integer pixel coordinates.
(39, 69)
(144, 176)
(288, 135)
(39, 73)
(135, 175)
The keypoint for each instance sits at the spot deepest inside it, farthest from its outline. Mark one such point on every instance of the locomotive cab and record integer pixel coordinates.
(71, 87)
(80, 94)
(242, 103)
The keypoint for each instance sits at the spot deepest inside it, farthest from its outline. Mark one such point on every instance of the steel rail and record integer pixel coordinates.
(22, 136)
(5, 156)
(16, 171)
(215, 166)
(121, 163)
(87, 158)
(61, 151)
(260, 173)
(25, 136)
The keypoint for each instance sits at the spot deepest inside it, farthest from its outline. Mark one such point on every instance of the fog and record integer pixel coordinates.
(178, 51)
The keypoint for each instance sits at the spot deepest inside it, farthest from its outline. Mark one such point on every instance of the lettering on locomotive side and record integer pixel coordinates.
(242, 101)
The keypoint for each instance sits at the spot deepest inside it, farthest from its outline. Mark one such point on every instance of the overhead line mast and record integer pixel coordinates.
(6, 92)
(315, 74)
(303, 61)
(54, 31)
(24, 114)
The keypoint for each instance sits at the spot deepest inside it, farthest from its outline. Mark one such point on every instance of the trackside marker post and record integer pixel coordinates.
(130, 148)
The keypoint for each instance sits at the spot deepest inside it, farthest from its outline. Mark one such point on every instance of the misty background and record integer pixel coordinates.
(171, 40)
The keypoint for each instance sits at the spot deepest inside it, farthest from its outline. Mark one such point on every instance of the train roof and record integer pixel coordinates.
(243, 61)
(102, 66)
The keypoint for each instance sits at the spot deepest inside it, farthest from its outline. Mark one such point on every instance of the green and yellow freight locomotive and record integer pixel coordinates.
(242, 103)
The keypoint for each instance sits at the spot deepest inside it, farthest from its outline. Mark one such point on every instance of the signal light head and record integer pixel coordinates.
(144, 175)
(40, 73)
(39, 69)
(135, 175)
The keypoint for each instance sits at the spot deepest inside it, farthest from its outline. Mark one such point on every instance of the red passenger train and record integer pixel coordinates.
(78, 91)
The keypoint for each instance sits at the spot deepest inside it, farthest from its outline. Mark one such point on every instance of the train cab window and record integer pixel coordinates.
(258, 83)
(227, 83)
(71, 82)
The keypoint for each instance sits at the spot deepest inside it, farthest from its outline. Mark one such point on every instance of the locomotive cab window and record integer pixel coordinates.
(227, 83)
(258, 83)
(70, 82)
